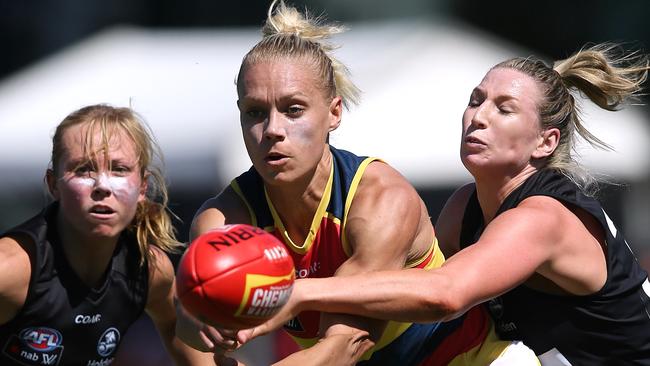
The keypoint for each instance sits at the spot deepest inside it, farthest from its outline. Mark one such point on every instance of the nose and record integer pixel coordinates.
(274, 128)
(102, 187)
(479, 119)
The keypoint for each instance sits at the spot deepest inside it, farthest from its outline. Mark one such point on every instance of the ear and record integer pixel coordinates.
(50, 180)
(548, 142)
(142, 195)
(336, 112)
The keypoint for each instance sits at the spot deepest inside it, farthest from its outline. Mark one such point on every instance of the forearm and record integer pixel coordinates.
(339, 349)
(186, 355)
(405, 295)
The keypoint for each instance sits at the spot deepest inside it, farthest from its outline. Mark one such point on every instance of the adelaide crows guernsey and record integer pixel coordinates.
(609, 327)
(64, 322)
(326, 248)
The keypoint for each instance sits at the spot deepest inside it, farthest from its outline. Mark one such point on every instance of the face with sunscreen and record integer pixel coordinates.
(98, 181)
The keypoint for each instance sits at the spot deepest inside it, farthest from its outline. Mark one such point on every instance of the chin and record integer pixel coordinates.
(277, 179)
(107, 231)
(475, 164)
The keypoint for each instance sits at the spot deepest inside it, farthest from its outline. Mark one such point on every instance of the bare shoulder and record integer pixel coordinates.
(537, 219)
(380, 178)
(225, 208)
(15, 267)
(161, 275)
(160, 264)
(543, 207)
(458, 200)
(384, 194)
(549, 215)
(449, 222)
(387, 216)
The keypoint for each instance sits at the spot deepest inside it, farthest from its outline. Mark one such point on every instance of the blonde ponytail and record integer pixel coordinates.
(603, 73)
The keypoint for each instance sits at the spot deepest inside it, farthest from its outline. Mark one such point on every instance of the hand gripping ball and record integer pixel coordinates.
(235, 277)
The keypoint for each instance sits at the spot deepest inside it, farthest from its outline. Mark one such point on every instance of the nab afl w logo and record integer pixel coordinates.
(108, 342)
(35, 346)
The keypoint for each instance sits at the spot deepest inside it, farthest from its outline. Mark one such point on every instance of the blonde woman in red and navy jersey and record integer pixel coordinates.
(338, 214)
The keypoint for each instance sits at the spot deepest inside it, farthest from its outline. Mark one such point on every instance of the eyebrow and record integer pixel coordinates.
(506, 98)
(93, 162)
(293, 95)
(499, 98)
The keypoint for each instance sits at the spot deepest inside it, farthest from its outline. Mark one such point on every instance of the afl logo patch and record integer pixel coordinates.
(41, 339)
(35, 346)
(108, 342)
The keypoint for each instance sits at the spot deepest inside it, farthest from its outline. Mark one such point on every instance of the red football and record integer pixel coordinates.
(235, 277)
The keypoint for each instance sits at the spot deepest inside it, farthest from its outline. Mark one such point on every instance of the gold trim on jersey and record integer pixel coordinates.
(437, 258)
(315, 222)
(251, 212)
(348, 201)
(490, 350)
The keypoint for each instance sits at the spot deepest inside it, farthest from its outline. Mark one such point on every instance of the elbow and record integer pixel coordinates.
(450, 309)
(443, 303)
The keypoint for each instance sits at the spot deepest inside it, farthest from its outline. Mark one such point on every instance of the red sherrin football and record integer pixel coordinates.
(235, 277)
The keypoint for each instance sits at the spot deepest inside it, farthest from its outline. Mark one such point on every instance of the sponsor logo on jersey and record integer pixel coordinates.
(87, 319)
(308, 271)
(41, 339)
(108, 342)
(102, 362)
(35, 346)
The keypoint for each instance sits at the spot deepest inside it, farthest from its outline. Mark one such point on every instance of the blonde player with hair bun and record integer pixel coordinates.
(77, 275)
(338, 214)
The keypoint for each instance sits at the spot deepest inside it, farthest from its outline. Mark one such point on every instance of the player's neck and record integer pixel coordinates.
(492, 192)
(89, 257)
(296, 204)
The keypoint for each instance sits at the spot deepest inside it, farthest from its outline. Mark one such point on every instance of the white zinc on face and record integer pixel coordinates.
(124, 189)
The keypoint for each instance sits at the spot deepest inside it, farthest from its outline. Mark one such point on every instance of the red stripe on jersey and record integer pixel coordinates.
(466, 337)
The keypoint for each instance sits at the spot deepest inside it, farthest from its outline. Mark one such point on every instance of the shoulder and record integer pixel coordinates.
(15, 266)
(539, 219)
(454, 208)
(542, 206)
(225, 208)
(381, 178)
(384, 192)
(384, 197)
(460, 197)
(544, 212)
(449, 222)
(161, 274)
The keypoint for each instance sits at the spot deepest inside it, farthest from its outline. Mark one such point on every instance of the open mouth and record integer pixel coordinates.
(274, 157)
(473, 140)
(101, 210)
